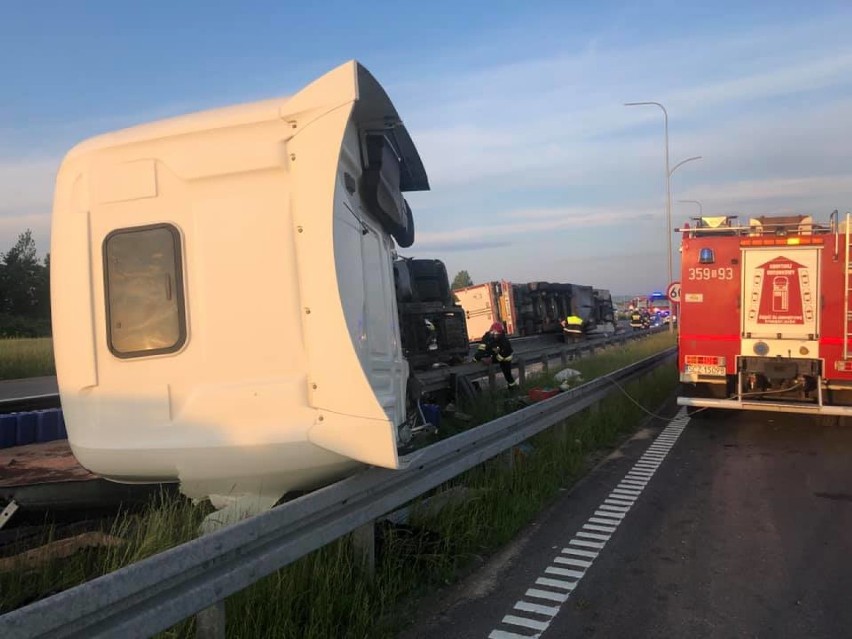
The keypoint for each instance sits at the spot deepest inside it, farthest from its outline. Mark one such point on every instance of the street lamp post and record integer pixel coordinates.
(668, 185)
(700, 208)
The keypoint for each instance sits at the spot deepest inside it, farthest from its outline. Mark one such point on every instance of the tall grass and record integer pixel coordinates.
(327, 594)
(26, 357)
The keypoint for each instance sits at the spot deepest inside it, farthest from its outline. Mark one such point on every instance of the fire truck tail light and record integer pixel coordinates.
(845, 366)
(713, 360)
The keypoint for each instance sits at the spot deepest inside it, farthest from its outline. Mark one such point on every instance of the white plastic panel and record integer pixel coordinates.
(780, 290)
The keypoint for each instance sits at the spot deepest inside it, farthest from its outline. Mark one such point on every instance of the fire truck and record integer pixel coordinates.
(764, 315)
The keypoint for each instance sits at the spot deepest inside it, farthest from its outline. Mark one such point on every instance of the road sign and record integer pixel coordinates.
(673, 292)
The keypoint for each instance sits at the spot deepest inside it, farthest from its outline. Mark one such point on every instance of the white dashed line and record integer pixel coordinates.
(514, 620)
(525, 606)
(570, 561)
(577, 557)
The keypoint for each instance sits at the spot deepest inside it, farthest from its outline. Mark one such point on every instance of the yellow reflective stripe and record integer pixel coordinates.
(481, 347)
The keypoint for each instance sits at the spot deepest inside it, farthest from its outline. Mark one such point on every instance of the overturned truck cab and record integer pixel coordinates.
(224, 310)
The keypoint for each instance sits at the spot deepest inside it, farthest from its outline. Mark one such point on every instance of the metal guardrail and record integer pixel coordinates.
(440, 378)
(33, 402)
(156, 593)
(433, 380)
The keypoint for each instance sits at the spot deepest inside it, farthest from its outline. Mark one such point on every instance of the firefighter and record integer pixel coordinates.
(495, 345)
(572, 328)
(636, 320)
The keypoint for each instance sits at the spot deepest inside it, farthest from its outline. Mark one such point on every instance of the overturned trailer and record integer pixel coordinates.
(224, 307)
(531, 308)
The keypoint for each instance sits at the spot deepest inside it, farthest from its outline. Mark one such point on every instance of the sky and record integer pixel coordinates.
(538, 171)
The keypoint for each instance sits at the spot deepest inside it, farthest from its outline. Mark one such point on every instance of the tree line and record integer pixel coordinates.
(24, 290)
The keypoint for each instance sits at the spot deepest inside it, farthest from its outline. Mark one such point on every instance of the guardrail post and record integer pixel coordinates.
(364, 545)
(492, 382)
(522, 371)
(545, 363)
(563, 357)
(210, 622)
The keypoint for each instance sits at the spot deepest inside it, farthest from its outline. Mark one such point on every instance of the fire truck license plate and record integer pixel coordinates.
(705, 369)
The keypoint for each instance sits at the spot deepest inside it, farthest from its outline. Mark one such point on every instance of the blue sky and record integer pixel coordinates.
(538, 172)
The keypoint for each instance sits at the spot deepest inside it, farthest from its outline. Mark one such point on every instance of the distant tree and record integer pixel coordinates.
(461, 280)
(24, 290)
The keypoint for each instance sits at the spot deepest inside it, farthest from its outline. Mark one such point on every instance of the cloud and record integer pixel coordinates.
(533, 221)
(460, 245)
(27, 184)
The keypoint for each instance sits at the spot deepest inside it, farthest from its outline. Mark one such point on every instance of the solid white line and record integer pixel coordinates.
(564, 572)
(502, 634)
(579, 553)
(588, 535)
(606, 529)
(545, 594)
(570, 561)
(587, 544)
(525, 623)
(556, 583)
(549, 611)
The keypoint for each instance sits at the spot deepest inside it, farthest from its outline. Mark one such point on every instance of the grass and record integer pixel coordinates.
(327, 594)
(26, 357)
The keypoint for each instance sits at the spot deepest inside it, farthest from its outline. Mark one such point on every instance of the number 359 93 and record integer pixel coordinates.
(707, 273)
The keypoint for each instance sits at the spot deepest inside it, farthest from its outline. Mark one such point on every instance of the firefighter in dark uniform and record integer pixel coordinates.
(636, 319)
(495, 345)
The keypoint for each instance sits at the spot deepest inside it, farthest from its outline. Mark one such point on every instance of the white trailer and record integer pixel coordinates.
(223, 297)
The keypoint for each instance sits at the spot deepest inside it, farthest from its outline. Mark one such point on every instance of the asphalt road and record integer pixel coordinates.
(16, 388)
(743, 529)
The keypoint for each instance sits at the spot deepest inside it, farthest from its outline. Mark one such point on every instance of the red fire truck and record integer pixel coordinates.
(764, 315)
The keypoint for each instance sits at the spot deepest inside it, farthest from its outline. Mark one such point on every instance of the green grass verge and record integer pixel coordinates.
(20, 358)
(327, 594)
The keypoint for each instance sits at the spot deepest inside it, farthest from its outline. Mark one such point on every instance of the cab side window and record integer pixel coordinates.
(144, 291)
